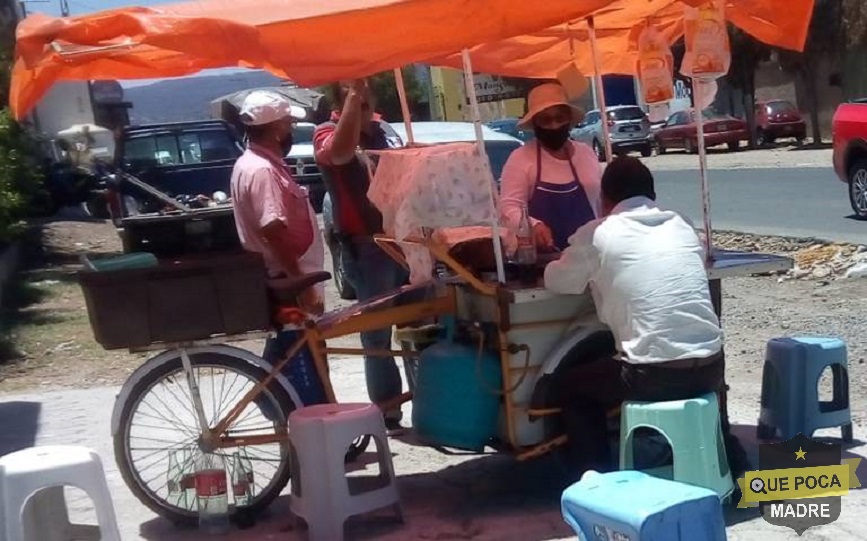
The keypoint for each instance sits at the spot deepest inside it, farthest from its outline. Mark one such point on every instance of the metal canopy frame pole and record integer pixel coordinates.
(469, 82)
(697, 92)
(404, 105)
(600, 89)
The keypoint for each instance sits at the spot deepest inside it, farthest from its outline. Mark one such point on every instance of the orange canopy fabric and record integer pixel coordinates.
(782, 23)
(310, 41)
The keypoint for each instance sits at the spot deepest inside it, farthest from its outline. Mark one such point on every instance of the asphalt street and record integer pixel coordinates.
(795, 202)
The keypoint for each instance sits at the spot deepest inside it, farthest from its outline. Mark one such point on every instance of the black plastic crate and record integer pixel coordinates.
(178, 301)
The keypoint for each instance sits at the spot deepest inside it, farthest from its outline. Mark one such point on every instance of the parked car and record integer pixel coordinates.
(778, 119)
(849, 128)
(509, 126)
(681, 131)
(628, 127)
(303, 165)
(498, 146)
(183, 161)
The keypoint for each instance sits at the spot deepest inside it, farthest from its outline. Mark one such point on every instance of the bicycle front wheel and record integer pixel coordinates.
(159, 440)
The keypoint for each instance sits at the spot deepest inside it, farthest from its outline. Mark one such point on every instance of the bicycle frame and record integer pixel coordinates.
(315, 334)
(376, 315)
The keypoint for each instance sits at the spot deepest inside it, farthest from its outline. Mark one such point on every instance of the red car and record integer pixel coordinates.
(778, 119)
(681, 131)
(850, 153)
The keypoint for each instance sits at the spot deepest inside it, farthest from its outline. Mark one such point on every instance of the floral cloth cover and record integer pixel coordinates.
(429, 188)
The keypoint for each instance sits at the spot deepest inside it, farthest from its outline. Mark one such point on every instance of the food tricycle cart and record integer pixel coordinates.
(502, 347)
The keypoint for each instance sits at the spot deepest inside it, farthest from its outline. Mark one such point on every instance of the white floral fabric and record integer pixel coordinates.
(429, 188)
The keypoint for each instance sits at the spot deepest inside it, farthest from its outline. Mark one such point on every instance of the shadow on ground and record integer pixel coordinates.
(42, 266)
(489, 497)
(483, 498)
(20, 425)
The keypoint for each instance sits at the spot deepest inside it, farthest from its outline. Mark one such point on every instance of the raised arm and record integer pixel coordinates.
(340, 149)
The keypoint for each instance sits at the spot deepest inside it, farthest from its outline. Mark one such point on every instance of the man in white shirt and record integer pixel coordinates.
(645, 268)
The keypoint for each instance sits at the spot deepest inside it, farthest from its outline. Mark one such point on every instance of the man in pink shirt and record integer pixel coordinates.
(274, 218)
(272, 212)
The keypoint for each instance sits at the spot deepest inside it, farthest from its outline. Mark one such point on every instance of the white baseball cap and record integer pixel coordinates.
(264, 107)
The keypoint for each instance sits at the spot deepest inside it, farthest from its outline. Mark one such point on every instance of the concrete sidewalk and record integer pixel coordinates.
(445, 496)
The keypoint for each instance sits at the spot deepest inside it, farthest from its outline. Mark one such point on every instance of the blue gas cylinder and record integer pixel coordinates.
(455, 403)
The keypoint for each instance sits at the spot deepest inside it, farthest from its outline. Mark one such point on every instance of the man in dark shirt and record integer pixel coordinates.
(346, 172)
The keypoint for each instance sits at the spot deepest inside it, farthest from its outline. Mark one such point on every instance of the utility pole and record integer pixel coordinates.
(64, 8)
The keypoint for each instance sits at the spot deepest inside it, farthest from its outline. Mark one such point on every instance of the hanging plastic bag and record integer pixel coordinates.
(655, 67)
(708, 53)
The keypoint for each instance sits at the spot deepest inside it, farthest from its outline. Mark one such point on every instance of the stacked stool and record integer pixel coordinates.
(321, 493)
(693, 429)
(790, 378)
(37, 476)
(631, 505)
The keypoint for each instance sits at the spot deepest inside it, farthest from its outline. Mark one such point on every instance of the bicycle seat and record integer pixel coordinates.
(286, 289)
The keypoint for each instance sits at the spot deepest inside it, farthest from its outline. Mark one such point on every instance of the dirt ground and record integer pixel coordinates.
(49, 343)
(781, 155)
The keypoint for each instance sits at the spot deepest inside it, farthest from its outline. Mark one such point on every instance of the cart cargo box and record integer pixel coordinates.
(177, 301)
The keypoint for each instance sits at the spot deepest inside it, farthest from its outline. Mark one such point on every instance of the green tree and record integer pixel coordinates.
(747, 54)
(384, 87)
(20, 177)
(855, 23)
(826, 38)
(387, 100)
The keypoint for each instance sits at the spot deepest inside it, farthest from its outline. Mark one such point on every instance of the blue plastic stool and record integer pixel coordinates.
(630, 505)
(694, 432)
(790, 395)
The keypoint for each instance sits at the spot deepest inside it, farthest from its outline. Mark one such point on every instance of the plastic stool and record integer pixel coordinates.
(692, 428)
(633, 505)
(29, 472)
(790, 380)
(321, 493)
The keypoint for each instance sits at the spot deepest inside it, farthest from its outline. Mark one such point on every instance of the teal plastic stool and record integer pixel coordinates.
(790, 381)
(693, 429)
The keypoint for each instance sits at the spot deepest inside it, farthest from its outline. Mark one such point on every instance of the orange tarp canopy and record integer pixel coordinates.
(309, 41)
(782, 23)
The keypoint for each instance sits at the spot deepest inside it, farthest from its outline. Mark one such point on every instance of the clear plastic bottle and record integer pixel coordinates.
(175, 475)
(526, 253)
(525, 256)
(242, 489)
(212, 495)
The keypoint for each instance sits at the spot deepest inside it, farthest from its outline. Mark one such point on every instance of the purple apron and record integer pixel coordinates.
(562, 207)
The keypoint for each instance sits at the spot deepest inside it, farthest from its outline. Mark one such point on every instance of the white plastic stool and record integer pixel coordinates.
(25, 473)
(321, 493)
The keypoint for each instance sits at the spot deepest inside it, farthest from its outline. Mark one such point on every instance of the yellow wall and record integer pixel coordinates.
(450, 99)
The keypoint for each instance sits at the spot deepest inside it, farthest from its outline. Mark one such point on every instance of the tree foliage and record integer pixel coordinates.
(384, 87)
(825, 38)
(855, 23)
(20, 177)
(747, 54)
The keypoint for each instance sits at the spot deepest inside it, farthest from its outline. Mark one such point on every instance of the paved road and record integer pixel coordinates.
(803, 202)
(445, 496)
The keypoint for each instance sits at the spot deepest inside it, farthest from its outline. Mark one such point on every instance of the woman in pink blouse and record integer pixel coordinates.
(557, 179)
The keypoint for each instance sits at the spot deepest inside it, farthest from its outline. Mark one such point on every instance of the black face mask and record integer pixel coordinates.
(286, 143)
(552, 139)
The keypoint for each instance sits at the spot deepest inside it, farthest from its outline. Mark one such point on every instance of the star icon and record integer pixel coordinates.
(800, 454)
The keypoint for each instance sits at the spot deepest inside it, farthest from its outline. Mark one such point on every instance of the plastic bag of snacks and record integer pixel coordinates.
(655, 66)
(708, 53)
